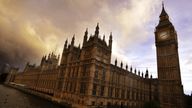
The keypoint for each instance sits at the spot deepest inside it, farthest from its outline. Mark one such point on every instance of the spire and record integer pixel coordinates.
(151, 76)
(147, 73)
(163, 18)
(110, 41)
(139, 73)
(45, 57)
(104, 37)
(49, 56)
(131, 69)
(110, 37)
(163, 12)
(65, 46)
(73, 40)
(58, 56)
(121, 64)
(85, 36)
(116, 62)
(126, 66)
(135, 71)
(97, 30)
(42, 60)
(86, 32)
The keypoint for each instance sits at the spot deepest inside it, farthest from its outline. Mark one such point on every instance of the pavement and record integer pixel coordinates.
(13, 98)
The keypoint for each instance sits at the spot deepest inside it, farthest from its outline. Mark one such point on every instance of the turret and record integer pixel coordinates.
(147, 74)
(110, 41)
(49, 56)
(85, 36)
(126, 67)
(121, 64)
(103, 37)
(131, 69)
(42, 60)
(115, 62)
(65, 46)
(97, 30)
(151, 76)
(73, 40)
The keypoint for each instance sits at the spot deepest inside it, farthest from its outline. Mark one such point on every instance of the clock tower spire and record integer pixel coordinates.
(169, 77)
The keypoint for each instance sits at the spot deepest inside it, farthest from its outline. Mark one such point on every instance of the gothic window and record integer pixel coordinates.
(116, 92)
(62, 73)
(132, 95)
(66, 86)
(102, 91)
(128, 94)
(96, 71)
(122, 94)
(109, 91)
(71, 85)
(74, 88)
(84, 70)
(77, 70)
(93, 103)
(94, 91)
(69, 71)
(103, 73)
(83, 88)
(114, 77)
(111, 78)
(73, 72)
(112, 91)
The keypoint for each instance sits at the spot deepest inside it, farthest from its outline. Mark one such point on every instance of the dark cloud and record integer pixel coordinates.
(31, 28)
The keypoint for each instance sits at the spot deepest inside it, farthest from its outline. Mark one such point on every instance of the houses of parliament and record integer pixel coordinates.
(85, 77)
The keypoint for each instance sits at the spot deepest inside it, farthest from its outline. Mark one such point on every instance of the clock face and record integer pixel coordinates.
(163, 35)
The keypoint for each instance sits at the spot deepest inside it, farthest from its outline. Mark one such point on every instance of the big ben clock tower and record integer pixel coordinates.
(170, 85)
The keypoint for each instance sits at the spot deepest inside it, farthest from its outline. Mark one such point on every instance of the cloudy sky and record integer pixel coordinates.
(30, 29)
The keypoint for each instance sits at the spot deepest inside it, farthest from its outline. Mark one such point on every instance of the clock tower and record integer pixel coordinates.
(170, 85)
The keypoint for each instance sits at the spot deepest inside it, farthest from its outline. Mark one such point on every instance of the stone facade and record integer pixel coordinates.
(170, 86)
(86, 78)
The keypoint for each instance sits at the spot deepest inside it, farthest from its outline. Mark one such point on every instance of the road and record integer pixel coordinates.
(12, 98)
